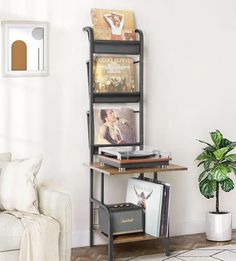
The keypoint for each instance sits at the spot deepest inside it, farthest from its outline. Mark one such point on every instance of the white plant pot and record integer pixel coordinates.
(219, 226)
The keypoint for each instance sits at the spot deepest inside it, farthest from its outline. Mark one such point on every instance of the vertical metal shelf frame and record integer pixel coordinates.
(120, 48)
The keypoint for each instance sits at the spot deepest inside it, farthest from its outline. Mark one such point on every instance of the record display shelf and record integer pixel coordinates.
(122, 48)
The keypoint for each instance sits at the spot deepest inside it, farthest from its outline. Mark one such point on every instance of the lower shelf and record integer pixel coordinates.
(132, 238)
(119, 239)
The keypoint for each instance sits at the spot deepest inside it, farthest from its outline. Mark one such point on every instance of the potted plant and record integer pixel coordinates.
(218, 163)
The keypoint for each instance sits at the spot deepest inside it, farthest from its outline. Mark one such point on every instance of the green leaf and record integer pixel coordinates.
(199, 164)
(232, 169)
(219, 173)
(216, 137)
(225, 142)
(207, 164)
(233, 144)
(208, 188)
(203, 156)
(204, 142)
(227, 185)
(210, 149)
(232, 164)
(202, 175)
(221, 152)
(231, 157)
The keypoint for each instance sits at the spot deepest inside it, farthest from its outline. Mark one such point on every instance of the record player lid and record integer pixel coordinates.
(130, 152)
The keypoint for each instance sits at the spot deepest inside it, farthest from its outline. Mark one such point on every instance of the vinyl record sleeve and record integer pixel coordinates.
(149, 195)
(114, 126)
(113, 24)
(114, 74)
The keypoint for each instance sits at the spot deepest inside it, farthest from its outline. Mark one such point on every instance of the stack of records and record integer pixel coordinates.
(154, 197)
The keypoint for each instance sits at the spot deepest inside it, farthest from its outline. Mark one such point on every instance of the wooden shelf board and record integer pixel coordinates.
(119, 239)
(132, 238)
(115, 171)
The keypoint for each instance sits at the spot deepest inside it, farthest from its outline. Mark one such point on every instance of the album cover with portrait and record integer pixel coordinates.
(113, 24)
(114, 74)
(115, 126)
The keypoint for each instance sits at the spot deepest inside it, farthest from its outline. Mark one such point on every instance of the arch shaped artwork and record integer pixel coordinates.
(25, 48)
(19, 56)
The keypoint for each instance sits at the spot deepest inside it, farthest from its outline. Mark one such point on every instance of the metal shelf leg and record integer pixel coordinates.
(110, 238)
(167, 242)
(91, 225)
(102, 188)
(110, 248)
(167, 246)
(91, 241)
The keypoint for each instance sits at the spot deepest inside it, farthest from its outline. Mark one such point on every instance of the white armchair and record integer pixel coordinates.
(51, 203)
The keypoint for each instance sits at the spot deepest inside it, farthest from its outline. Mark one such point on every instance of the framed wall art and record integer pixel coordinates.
(25, 48)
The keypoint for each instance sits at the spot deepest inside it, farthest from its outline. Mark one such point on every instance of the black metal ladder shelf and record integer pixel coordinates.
(120, 48)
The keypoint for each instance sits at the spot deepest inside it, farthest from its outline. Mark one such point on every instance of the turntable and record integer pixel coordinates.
(130, 158)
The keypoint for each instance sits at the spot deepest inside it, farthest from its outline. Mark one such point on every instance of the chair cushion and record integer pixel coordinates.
(11, 231)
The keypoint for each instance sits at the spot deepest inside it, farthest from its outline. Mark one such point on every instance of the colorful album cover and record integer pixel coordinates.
(113, 24)
(114, 126)
(114, 74)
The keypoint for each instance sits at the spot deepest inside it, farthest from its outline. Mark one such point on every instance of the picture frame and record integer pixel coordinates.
(25, 48)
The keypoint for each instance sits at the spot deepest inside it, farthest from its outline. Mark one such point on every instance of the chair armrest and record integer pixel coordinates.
(58, 205)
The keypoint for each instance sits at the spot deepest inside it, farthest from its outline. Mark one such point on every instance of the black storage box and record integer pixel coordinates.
(126, 217)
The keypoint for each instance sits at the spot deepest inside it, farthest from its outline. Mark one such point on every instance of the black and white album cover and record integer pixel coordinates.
(148, 195)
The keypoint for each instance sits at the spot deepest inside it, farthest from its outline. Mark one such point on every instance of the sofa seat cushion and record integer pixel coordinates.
(11, 230)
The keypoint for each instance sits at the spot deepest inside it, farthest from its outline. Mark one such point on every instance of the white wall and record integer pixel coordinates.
(190, 65)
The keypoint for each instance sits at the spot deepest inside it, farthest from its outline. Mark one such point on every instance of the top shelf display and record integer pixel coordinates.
(115, 47)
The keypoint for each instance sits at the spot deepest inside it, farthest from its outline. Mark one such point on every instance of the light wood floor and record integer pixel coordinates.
(145, 247)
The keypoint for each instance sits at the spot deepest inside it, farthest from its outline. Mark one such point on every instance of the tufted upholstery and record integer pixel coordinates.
(51, 203)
